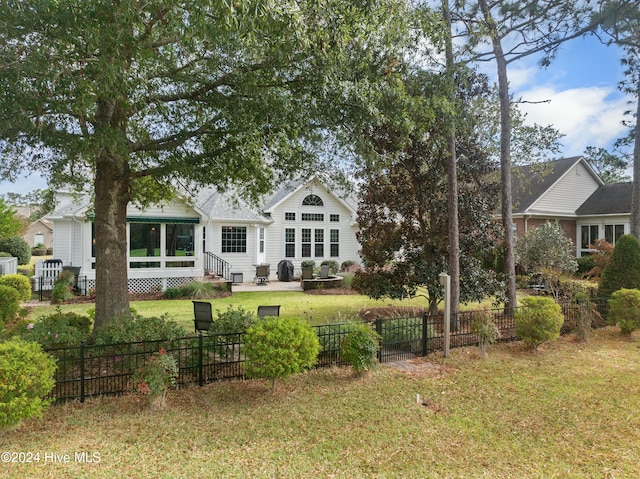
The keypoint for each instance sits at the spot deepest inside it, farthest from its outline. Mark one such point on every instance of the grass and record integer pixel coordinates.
(570, 410)
(317, 309)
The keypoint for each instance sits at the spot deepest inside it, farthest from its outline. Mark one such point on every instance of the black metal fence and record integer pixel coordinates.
(44, 286)
(94, 370)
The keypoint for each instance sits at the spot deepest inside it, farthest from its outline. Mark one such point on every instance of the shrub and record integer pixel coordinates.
(59, 329)
(347, 264)
(17, 247)
(172, 293)
(26, 377)
(359, 348)
(139, 328)
(232, 321)
(623, 268)
(157, 374)
(19, 282)
(278, 347)
(9, 304)
(308, 263)
(198, 290)
(484, 325)
(538, 320)
(62, 287)
(585, 264)
(624, 310)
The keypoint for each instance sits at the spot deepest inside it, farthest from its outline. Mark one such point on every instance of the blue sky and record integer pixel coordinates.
(581, 85)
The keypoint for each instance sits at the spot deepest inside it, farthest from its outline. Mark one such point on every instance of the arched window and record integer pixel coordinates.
(312, 200)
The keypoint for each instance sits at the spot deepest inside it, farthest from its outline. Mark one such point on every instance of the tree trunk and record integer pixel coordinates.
(452, 179)
(505, 160)
(111, 199)
(635, 197)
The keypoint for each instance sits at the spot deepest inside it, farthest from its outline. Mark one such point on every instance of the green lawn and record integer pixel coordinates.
(317, 309)
(567, 411)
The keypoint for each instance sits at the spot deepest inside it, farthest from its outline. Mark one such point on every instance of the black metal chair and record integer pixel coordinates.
(202, 317)
(264, 311)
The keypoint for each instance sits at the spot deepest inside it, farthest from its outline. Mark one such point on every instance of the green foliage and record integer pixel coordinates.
(545, 249)
(347, 264)
(59, 329)
(609, 167)
(198, 290)
(158, 373)
(484, 325)
(623, 268)
(404, 243)
(9, 304)
(278, 347)
(17, 247)
(138, 328)
(62, 287)
(10, 224)
(20, 282)
(232, 321)
(624, 310)
(405, 333)
(26, 377)
(308, 263)
(359, 348)
(585, 264)
(305, 71)
(539, 319)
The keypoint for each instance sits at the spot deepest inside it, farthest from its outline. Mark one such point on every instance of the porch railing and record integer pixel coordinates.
(217, 265)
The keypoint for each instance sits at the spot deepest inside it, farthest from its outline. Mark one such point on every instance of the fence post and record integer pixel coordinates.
(425, 333)
(379, 331)
(82, 371)
(445, 280)
(200, 374)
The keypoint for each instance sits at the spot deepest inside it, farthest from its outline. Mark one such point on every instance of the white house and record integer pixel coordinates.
(213, 232)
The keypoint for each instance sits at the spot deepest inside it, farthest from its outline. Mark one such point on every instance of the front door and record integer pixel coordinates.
(261, 256)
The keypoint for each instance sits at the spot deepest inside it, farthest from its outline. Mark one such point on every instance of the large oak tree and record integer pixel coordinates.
(128, 98)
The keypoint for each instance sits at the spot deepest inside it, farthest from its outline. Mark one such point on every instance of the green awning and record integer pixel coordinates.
(155, 219)
(151, 219)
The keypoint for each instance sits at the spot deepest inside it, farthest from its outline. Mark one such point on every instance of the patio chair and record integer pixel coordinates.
(264, 311)
(202, 316)
(324, 271)
(262, 274)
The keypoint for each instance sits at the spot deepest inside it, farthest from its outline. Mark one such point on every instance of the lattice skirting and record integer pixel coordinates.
(149, 285)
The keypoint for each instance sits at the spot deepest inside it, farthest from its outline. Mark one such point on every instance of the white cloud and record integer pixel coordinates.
(588, 116)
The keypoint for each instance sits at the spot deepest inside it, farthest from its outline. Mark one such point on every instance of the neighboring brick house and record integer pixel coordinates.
(570, 192)
(39, 231)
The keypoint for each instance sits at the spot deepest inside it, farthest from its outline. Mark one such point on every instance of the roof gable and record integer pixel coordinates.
(290, 189)
(550, 187)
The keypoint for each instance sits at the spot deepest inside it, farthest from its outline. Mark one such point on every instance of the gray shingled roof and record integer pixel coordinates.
(529, 182)
(608, 200)
(223, 206)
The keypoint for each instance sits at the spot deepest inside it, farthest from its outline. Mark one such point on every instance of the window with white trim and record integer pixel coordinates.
(312, 200)
(290, 243)
(588, 235)
(319, 243)
(612, 233)
(305, 242)
(234, 239)
(334, 243)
